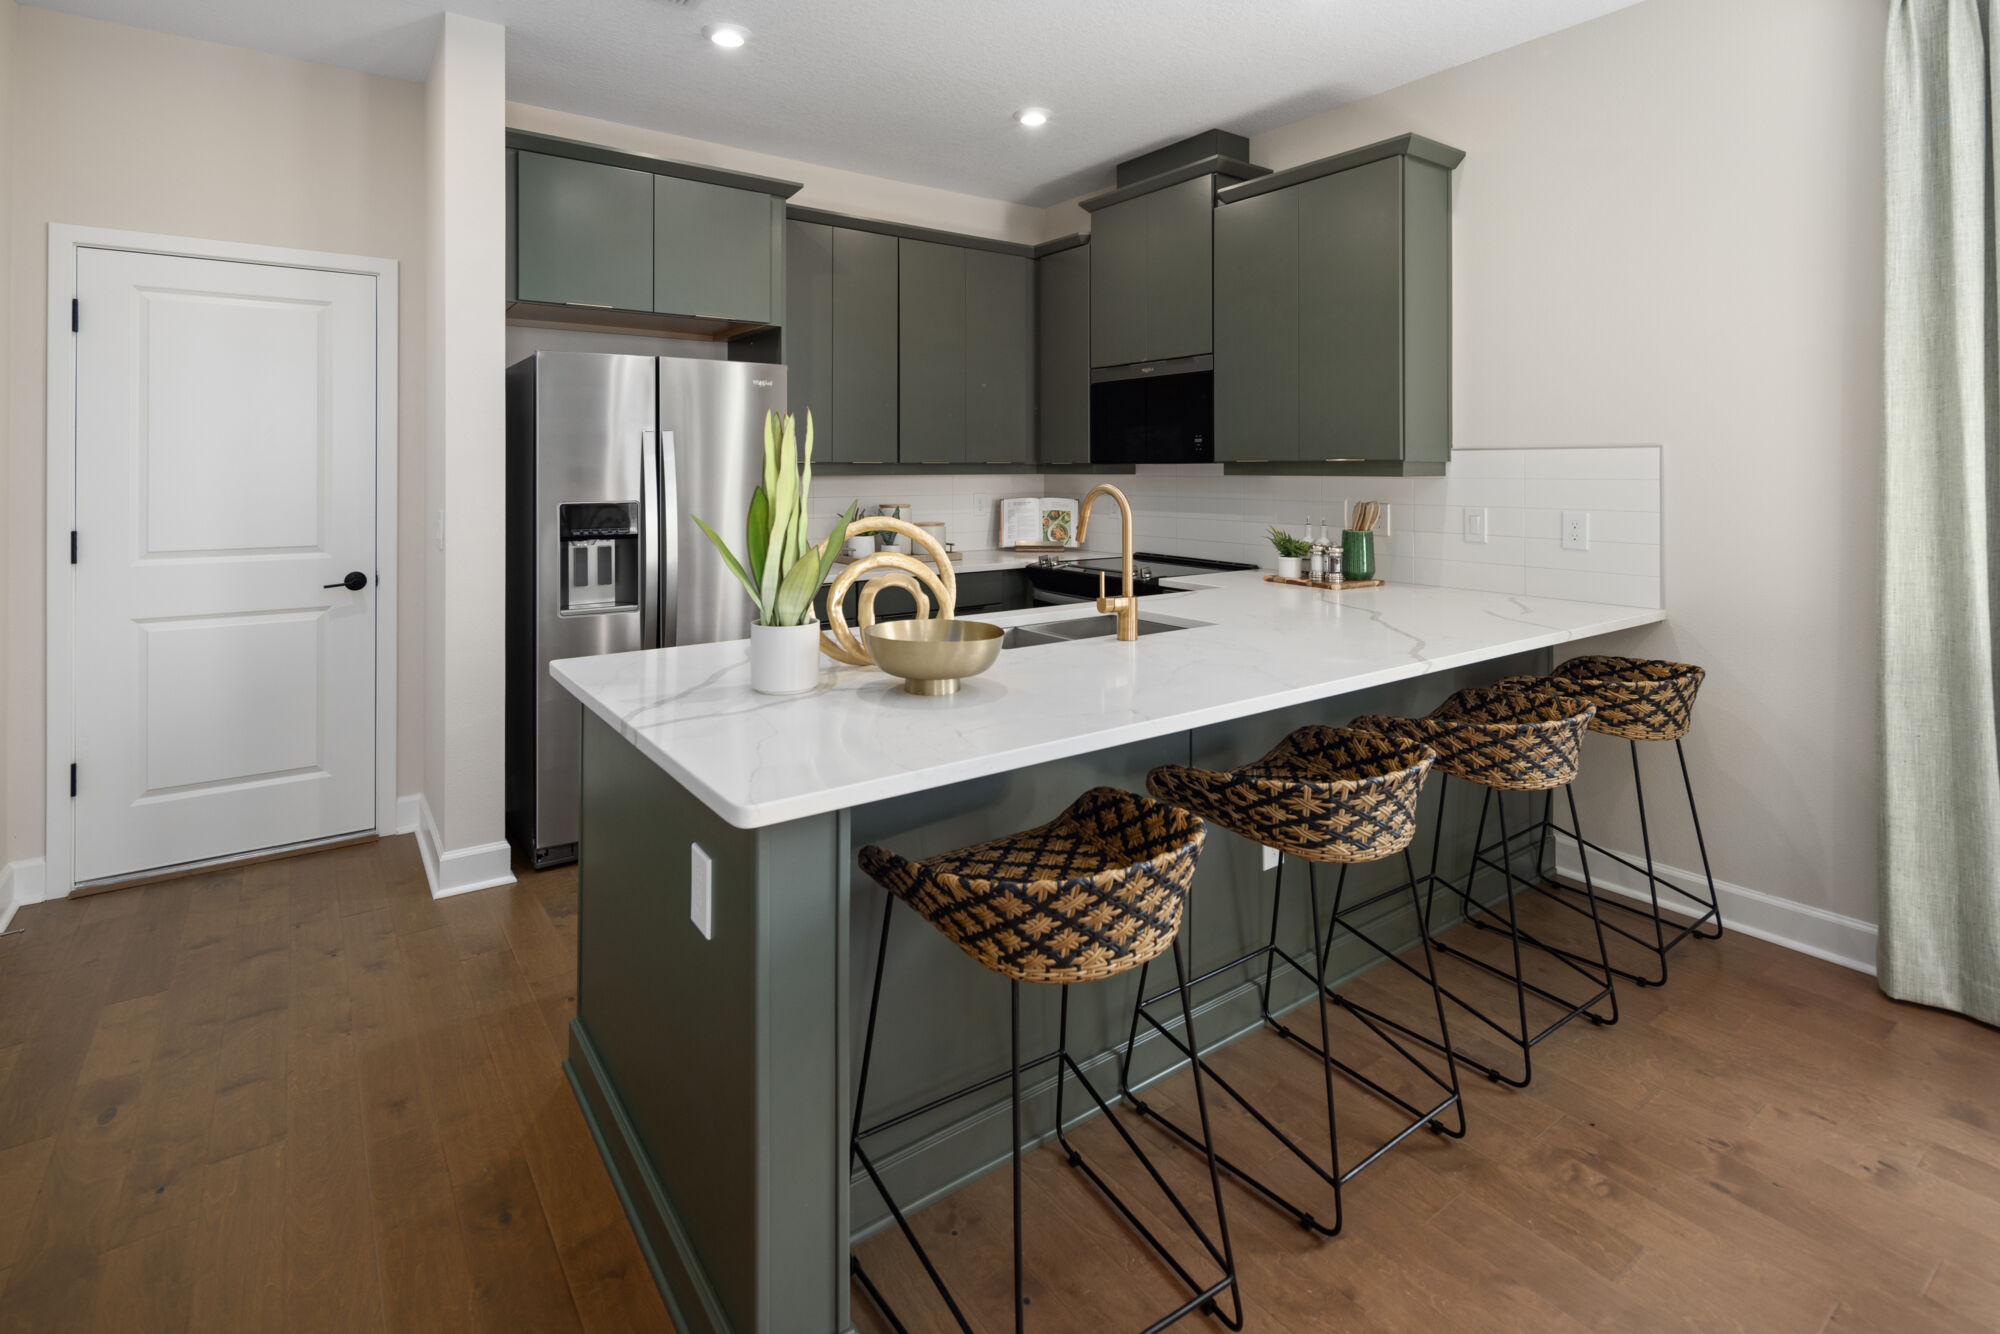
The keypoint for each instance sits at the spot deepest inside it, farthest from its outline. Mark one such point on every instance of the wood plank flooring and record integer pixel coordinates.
(304, 1096)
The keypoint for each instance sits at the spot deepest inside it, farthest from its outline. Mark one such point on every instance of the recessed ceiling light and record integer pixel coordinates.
(1032, 116)
(726, 35)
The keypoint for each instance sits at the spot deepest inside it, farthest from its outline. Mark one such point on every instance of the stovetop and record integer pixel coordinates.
(1079, 574)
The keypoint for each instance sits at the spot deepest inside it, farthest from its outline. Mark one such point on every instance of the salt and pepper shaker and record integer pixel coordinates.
(1316, 557)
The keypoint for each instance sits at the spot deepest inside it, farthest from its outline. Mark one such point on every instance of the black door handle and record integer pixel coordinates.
(353, 583)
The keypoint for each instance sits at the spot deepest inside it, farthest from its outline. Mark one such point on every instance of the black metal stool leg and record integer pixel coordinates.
(1437, 997)
(1322, 945)
(1596, 922)
(1714, 899)
(1652, 877)
(1014, 1036)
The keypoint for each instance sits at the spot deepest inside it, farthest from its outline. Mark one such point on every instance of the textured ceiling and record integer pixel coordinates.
(916, 90)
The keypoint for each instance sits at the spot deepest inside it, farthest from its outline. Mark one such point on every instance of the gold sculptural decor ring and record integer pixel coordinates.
(900, 571)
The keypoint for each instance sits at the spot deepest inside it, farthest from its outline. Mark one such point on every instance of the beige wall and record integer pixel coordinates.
(118, 127)
(8, 610)
(1668, 229)
(825, 187)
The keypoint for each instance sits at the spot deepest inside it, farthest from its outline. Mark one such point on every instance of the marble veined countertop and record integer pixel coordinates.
(977, 561)
(1253, 647)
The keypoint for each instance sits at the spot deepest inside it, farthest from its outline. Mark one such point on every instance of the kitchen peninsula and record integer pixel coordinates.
(725, 937)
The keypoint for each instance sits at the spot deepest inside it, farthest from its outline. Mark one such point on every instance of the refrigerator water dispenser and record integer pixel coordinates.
(600, 557)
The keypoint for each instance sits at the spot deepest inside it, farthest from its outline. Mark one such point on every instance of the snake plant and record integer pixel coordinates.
(782, 569)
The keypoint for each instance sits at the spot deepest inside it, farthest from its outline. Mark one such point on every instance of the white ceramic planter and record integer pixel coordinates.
(1288, 567)
(784, 659)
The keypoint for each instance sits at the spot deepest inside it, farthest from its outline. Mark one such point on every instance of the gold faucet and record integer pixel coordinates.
(1126, 605)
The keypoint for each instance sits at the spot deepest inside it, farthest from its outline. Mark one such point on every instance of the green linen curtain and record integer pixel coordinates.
(1940, 593)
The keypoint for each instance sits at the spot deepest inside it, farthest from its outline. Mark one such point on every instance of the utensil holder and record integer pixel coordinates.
(1357, 550)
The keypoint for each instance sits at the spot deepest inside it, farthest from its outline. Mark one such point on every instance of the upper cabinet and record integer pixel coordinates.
(1333, 314)
(1062, 353)
(840, 339)
(584, 234)
(717, 251)
(1152, 277)
(966, 368)
(699, 249)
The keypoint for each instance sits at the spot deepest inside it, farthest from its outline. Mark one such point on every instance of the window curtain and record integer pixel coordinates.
(1940, 942)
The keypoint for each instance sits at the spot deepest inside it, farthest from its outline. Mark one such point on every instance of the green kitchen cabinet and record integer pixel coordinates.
(583, 233)
(1152, 275)
(865, 401)
(1333, 314)
(809, 331)
(932, 351)
(1257, 329)
(840, 339)
(714, 249)
(1062, 356)
(999, 357)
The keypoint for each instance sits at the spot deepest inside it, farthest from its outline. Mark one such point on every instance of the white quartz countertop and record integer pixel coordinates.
(1255, 646)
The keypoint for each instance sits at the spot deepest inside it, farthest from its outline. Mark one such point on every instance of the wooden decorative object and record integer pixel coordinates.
(906, 572)
(1331, 585)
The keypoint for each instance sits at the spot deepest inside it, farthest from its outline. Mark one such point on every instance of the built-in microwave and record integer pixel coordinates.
(1154, 412)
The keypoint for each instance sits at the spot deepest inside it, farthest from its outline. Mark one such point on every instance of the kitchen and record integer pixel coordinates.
(1431, 320)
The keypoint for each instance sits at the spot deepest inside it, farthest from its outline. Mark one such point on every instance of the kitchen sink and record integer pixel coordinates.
(1086, 627)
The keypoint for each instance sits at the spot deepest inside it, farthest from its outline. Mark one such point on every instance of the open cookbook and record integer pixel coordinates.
(1038, 521)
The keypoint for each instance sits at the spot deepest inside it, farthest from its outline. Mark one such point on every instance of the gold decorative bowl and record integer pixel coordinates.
(933, 656)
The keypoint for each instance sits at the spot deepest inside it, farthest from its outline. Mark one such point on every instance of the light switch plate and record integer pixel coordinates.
(701, 890)
(1475, 523)
(1576, 530)
(1270, 858)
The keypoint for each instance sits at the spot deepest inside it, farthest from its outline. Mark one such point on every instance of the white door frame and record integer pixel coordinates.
(65, 240)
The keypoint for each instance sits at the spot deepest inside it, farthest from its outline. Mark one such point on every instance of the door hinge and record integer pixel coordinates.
(72, 546)
(75, 315)
(72, 780)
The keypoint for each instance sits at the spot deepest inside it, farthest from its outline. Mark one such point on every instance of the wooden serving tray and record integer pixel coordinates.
(1330, 585)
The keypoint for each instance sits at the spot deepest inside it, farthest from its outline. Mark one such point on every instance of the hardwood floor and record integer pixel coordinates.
(304, 1096)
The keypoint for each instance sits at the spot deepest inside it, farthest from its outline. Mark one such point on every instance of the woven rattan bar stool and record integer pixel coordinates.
(1097, 891)
(1324, 794)
(1507, 739)
(1639, 699)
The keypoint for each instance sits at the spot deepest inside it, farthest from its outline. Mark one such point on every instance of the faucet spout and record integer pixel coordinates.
(1126, 604)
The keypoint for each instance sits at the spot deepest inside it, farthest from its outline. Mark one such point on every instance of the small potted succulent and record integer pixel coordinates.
(1290, 550)
(782, 569)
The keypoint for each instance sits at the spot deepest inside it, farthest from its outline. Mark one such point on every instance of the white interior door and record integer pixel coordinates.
(225, 472)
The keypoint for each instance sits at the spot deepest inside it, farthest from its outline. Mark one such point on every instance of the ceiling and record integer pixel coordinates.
(915, 90)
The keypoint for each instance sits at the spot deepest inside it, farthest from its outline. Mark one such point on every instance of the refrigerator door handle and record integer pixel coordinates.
(649, 539)
(669, 551)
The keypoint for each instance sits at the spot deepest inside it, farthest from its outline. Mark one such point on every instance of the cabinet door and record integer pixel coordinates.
(1062, 356)
(584, 233)
(1257, 328)
(809, 330)
(1350, 313)
(931, 372)
(1119, 278)
(999, 357)
(713, 250)
(1180, 270)
(864, 346)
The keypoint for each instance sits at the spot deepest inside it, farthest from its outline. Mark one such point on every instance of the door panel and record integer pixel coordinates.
(809, 331)
(999, 357)
(1351, 313)
(1257, 328)
(1062, 351)
(712, 250)
(1180, 261)
(225, 461)
(1119, 283)
(864, 346)
(932, 374)
(583, 233)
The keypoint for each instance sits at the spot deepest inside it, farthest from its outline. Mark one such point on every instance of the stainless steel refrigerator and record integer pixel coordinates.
(606, 457)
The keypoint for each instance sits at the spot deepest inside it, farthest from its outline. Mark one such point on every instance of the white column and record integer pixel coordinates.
(464, 682)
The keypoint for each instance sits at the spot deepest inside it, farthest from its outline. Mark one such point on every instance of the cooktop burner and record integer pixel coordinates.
(1063, 577)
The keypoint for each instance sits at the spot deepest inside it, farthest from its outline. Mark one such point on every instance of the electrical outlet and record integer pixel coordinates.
(1475, 523)
(1576, 530)
(1270, 858)
(701, 890)
(981, 505)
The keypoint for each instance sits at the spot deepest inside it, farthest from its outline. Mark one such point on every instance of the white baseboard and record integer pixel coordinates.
(1847, 941)
(461, 870)
(409, 812)
(22, 882)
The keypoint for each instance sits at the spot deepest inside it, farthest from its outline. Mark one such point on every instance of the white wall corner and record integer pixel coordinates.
(21, 883)
(410, 813)
(459, 870)
(1847, 941)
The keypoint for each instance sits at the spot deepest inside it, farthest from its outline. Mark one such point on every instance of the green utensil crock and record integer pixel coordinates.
(1357, 555)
